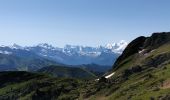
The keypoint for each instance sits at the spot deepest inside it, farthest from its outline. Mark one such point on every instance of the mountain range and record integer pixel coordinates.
(77, 55)
(69, 55)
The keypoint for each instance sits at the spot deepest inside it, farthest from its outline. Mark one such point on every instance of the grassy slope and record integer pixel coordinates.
(62, 71)
(28, 63)
(139, 86)
(26, 86)
(146, 84)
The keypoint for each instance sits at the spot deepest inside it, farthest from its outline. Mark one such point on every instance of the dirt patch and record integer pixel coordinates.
(166, 84)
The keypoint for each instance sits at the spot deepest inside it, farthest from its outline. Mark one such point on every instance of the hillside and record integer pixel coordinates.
(98, 70)
(32, 86)
(69, 72)
(140, 73)
(10, 62)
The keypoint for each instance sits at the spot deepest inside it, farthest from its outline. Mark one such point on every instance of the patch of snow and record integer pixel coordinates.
(117, 47)
(8, 53)
(97, 79)
(92, 54)
(15, 46)
(152, 51)
(44, 55)
(144, 53)
(5, 52)
(46, 46)
(43, 51)
(3, 46)
(27, 49)
(141, 51)
(110, 75)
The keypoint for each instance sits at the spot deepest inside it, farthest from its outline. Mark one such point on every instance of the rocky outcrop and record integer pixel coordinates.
(156, 40)
(158, 61)
(134, 69)
(131, 49)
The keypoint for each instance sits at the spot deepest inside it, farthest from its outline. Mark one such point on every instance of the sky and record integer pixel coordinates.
(80, 22)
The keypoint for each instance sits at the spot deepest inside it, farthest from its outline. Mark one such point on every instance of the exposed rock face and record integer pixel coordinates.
(131, 49)
(134, 69)
(156, 40)
(167, 97)
(158, 60)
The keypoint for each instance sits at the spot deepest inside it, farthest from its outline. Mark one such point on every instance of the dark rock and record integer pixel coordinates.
(134, 69)
(127, 72)
(102, 79)
(152, 98)
(131, 49)
(156, 40)
(167, 97)
(158, 60)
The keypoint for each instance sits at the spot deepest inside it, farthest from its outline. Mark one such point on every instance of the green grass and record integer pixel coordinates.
(70, 72)
(141, 88)
(141, 85)
(38, 86)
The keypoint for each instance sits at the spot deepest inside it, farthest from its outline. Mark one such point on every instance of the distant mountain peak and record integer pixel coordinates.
(45, 45)
(71, 54)
(16, 46)
(117, 47)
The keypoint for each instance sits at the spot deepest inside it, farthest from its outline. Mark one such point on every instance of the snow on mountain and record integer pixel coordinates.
(117, 47)
(5, 52)
(71, 54)
(15, 46)
(46, 46)
(114, 48)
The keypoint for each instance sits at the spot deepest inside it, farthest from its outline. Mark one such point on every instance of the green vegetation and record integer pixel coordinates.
(26, 86)
(142, 74)
(62, 71)
(20, 63)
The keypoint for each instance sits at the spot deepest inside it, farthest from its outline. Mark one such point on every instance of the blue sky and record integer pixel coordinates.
(81, 22)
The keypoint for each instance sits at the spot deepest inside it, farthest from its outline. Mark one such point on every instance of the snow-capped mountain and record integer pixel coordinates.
(70, 54)
(117, 47)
